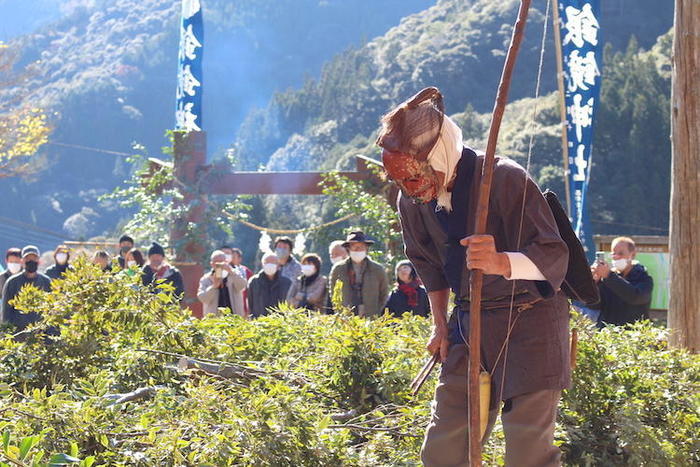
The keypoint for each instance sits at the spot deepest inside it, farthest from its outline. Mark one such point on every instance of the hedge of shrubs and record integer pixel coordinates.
(134, 380)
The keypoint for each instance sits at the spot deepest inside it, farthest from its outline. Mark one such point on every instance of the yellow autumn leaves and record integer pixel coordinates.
(22, 133)
(23, 130)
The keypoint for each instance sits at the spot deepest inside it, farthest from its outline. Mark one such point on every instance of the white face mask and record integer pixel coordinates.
(620, 264)
(358, 256)
(336, 259)
(270, 268)
(229, 258)
(61, 258)
(131, 264)
(282, 253)
(308, 269)
(14, 268)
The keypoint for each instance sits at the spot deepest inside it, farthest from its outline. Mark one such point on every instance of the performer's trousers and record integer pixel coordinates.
(528, 422)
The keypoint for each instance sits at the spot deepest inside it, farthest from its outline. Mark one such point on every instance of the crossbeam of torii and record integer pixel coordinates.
(195, 181)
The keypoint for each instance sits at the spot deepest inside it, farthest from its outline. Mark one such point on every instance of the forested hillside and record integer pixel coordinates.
(459, 47)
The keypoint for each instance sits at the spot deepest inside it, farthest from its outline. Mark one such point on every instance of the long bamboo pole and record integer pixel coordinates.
(562, 102)
(482, 212)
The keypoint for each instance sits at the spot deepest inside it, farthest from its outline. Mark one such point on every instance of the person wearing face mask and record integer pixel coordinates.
(222, 287)
(126, 243)
(524, 260)
(13, 261)
(408, 296)
(237, 261)
(61, 255)
(288, 264)
(337, 252)
(133, 262)
(310, 289)
(268, 288)
(134, 258)
(365, 286)
(234, 256)
(29, 276)
(625, 289)
(228, 254)
(158, 269)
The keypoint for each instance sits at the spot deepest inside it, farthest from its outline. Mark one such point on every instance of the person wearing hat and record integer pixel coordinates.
(29, 276)
(365, 286)
(158, 269)
(524, 312)
(61, 255)
(408, 296)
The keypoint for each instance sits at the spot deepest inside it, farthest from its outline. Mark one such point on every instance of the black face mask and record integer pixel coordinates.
(31, 266)
(124, 250)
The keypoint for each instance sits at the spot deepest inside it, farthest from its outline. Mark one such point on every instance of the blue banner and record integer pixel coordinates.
(188, 112)
(582, 55)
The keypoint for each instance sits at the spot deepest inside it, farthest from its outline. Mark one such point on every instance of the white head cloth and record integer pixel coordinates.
(444, 158)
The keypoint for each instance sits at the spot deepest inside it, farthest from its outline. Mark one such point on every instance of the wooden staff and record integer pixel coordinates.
(562, 102)
(482, 212)
(424, 373)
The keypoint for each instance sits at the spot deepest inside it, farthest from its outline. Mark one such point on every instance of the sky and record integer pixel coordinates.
(20, 16)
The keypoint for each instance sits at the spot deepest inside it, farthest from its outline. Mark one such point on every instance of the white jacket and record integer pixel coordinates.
(209, 295)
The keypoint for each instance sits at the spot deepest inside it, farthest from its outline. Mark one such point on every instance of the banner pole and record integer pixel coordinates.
(562, 103)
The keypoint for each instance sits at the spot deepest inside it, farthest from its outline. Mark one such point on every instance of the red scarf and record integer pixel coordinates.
(410, 290)
(160, 273)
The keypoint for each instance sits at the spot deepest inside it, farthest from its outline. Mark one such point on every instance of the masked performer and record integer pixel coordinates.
(525, 320)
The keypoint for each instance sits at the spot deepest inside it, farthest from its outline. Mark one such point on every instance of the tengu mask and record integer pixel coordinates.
(408, 135)
(416, 179)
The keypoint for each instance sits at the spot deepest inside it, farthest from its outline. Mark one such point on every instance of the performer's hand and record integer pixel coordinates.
(439, 342)
(596, 277)
(482, 254)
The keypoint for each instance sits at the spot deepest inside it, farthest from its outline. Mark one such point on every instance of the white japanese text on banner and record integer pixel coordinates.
(581, 52)
(188, 112)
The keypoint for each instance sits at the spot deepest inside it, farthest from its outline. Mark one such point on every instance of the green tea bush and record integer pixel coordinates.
(122, 383)
(634, 400)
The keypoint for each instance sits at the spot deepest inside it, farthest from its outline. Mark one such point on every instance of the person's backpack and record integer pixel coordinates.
(578, 284)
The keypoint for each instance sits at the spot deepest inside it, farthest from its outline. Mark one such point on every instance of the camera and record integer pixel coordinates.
(600, 257)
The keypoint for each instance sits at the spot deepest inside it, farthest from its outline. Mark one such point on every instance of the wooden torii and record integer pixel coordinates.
(195, 180)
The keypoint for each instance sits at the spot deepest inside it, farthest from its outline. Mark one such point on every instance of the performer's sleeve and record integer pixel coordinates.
(420, 247)
(537, 236)
(522, 267)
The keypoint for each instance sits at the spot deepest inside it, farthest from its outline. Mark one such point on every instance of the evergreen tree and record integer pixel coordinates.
(632, 152)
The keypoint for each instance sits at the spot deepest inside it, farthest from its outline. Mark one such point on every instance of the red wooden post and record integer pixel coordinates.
(189, 157)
